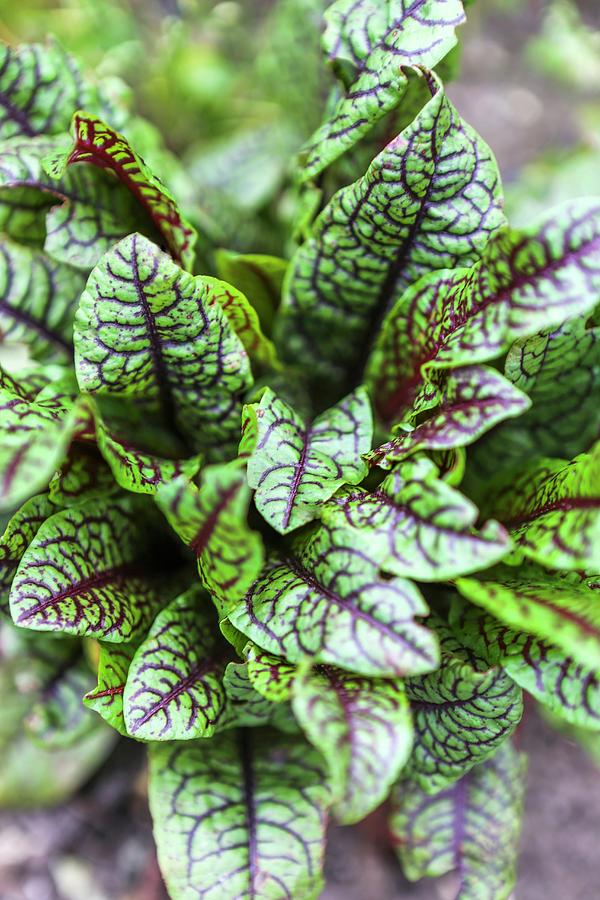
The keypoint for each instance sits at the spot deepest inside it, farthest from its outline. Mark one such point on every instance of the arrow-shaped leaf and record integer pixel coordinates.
(82, 574)
(329, 604)
(417, 525)
(430, 200)
(243, 815)
(212, 521)
(363, 729)
(526, 281)
(174, 688)
(381, 40)
(96, 143)
(570, 690)
(472, 827)
(461, 713)
(552, 510)
(146, 329)
(294, 467)
(468, 402)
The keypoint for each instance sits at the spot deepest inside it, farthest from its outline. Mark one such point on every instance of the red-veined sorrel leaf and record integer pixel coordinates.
(430, 200)
(363, 729)
(294, 467)
(466, 403)
(526, 281)
(96, 143)
(38, 298)
(243, 319)
(19, 532)
(567, 688)
(40, 87)
(328, 604)
(246, 707)
(34, 440)
(416, 525)
(82, 476)
(212, 521)
(107, 697)
(472, 827)
(461, 713)
(174, 688)
(552, 510)
(75, 220)
(271, 675)
(380, 40)
(145, 329)
(260, 278)
(243, 813)
(564, 611)
(82, 574)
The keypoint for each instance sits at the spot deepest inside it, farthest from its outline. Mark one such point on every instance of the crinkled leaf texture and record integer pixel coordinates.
(363, 729)
(242, 815)
(83, 574)
(381, 40)
(430, 200)
(526, 281)
(566, 687)
(328, 603)
(145, 329)
(462, 712)
(212, 521)
(471, 827)
(174, 688)
(107, 697)
(416, 525)
(552, 509)
(19, 533)
(100, 145)
(294, 467)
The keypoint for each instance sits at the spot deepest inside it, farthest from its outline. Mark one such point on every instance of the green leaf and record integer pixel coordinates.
(461, 713)
(258, 276)
(19, 533)
(40, 87)
(328, 604)
(96, 143)
(174, 688)
(212, 521)
(244, 320)
(526, 281)
(570, 690)
(34, 440)
(242, 815)
(270, 675)
(75, 219)
(430, 200)
(552, 510)
(82, 574)
(564, 611)
(363, 729)
(82, 476)
(295, 467)
(471, 827)
(58, 717)
(146, 329)
(107, 697)
(416, 525)
(246, 707)
(381, 41)
(466, 403)
(38, 297)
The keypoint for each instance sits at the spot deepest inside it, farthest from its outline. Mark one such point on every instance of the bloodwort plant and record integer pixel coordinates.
(381, 453)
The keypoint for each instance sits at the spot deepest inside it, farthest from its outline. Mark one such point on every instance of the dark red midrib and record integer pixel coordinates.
(248, 790)
(108, 692)
(35, 325)
(195, 674)
(104, 160)
(399, 399)
(198, 544)
(567, 504)
(114, 574)
(297, 478)
(585, 626)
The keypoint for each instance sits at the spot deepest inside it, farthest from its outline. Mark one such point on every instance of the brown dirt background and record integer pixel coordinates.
(98, 846)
